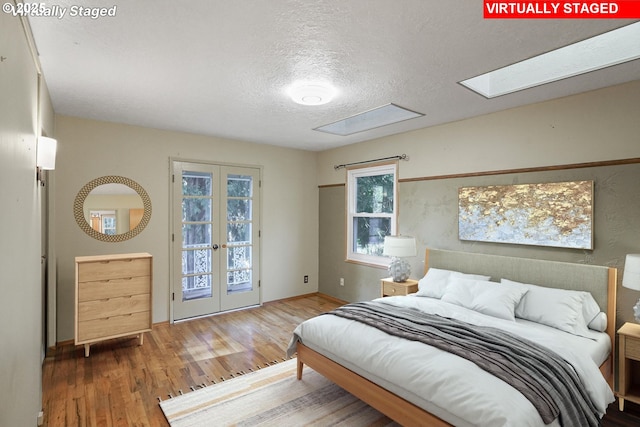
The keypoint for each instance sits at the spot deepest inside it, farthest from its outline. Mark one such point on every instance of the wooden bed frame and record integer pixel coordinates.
(518, 269)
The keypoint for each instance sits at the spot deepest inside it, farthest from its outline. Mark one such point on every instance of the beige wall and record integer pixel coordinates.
(21, 305)
(594, 126)
(601, 125)
(89, 149)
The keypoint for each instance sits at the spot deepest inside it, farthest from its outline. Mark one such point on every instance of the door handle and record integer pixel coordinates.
(215, 247)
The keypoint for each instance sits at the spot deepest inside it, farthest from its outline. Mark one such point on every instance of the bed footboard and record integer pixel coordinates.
(393, 406)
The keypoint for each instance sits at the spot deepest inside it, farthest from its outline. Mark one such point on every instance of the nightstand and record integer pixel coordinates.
(390, 288)
(628, 360)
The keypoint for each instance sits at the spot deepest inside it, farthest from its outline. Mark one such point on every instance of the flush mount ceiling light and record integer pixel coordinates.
(311, 93)
(608, 49)
(381, 116)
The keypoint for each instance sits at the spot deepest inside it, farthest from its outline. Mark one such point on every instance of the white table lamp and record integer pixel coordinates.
(631, 279)
(398, 248)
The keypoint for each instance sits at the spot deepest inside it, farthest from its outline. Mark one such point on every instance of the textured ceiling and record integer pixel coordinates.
(222, 67)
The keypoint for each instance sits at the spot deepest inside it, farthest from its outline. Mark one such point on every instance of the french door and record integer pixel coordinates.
(216, 250)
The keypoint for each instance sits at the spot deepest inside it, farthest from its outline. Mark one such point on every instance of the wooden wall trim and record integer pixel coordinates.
(520, 170)
(332, 185)
(532, 169)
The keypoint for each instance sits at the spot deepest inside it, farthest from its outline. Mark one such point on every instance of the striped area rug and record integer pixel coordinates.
(272, 397)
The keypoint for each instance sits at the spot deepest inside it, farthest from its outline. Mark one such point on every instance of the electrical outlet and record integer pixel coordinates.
(306, 279)
(342, 281)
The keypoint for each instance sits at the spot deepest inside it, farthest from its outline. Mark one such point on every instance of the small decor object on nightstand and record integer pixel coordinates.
(631, 279)
(399, 247)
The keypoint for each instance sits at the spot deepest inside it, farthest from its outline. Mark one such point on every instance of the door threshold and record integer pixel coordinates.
(203, 316)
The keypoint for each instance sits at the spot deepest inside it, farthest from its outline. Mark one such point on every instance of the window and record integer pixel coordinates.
(371, 212)
(109, 224)
(104, 221)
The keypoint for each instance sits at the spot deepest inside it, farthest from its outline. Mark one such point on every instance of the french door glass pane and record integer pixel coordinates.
(239, 186)
(196, 184)
(238, 232)
(194, 287)
(238, 257)
(369, 234)
(239, 281)
(196, 235)
(238, 209)
(196, 209)
(196, 261)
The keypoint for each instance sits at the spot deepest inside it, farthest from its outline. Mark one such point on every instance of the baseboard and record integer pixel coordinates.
(313, 294)
(334, 299)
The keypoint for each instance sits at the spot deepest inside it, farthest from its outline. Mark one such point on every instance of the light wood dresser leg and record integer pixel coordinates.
(141, 338)
(620, 404)
(86, 350)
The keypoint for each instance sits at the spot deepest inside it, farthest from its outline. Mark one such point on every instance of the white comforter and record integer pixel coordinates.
(446, 385)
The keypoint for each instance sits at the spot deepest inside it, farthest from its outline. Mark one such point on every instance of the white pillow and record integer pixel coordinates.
(599, 323)
(484, 297)
(434, 282)
(593, 317)
(559, 308)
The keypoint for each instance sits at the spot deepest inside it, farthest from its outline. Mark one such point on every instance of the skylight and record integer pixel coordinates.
(381, 116)
(611, 48)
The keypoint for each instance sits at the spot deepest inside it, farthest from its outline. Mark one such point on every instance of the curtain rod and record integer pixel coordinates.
(400, 157)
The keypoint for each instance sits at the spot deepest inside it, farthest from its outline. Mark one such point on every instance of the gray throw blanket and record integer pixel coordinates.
(542, 376)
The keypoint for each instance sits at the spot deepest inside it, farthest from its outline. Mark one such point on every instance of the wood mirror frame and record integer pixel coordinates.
(78, 208)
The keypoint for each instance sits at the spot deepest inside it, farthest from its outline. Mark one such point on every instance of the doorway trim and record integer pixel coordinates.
(171, 230)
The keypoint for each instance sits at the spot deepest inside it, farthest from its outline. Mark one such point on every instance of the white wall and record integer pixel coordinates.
(594, 126)
(21, 305)
(89, 149)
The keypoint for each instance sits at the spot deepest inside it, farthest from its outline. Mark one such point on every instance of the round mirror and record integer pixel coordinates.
(112, 208)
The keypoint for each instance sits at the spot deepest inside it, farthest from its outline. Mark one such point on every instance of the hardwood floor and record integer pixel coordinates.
(120, 383)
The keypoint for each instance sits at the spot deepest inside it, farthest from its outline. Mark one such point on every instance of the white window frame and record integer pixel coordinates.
(352, 175)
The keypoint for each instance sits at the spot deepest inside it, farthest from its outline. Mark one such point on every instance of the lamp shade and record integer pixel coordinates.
(399, 246)
(631, 277)
(46, 156)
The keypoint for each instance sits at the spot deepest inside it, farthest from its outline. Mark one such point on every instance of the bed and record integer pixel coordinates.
(418, 384)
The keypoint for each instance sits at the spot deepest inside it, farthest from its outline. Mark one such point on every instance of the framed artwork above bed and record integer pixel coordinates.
(547, 214)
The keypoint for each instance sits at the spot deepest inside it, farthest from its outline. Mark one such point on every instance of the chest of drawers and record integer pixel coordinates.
(113, 297)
